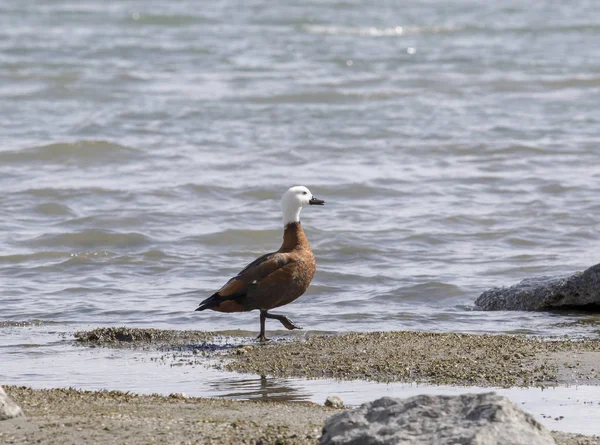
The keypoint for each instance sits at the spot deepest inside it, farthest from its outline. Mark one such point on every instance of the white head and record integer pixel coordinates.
(294, 200)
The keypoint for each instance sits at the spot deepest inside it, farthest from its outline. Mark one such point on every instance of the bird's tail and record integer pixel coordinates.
(212, 301)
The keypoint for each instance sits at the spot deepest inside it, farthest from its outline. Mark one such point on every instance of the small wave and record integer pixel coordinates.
(307, 97)
(24, 323)
(520, 242)
(154, 255)
(91, 239)
(138, 258)
(26, 257)
(425, 292)
(257, 195)
(204, 190)
(339, 96)
(555, 189)
(571, 82)
(426, 239)
(359, 190)
(342, 95)
(522, 150)
(87, 257)
(397, 31)
(543, 28)
(86, 291)
(63, 193)
(351, 251)
(53, 209)
(51, 259)
(82, 152)
(176, 20)
(373, 31)
(235, 236)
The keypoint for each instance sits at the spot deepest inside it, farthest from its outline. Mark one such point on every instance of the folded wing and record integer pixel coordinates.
(230, 298)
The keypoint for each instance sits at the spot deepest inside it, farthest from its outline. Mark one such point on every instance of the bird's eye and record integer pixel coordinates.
(304, 193)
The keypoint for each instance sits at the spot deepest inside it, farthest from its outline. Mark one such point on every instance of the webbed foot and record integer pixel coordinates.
(261, 338)
(286, 322)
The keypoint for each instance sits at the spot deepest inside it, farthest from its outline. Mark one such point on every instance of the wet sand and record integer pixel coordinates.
(67, 416)
(123, 337)
(443, 359)
(71, 417)
(415, 357)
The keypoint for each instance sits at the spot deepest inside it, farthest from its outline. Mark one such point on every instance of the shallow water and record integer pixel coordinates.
(144, 150)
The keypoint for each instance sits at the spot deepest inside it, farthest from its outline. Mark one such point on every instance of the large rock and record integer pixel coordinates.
(533, 294)
(8, 408)
(469, 419)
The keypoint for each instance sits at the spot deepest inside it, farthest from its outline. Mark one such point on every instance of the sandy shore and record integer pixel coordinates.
(66, 416)
(449, 359)
(435, 358)
(69, 417)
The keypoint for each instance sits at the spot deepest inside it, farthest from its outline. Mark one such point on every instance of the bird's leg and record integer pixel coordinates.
(263, 317)
(289, 324)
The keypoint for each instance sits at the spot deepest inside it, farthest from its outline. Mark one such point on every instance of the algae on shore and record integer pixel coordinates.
(436, 358)
(137, 337)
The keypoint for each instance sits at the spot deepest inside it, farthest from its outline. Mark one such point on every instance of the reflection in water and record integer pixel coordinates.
(559, 408)
(260, 388)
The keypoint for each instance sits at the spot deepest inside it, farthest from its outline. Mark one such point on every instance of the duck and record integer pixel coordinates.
(277, 278)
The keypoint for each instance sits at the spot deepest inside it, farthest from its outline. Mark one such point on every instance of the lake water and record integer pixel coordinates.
(144, 148)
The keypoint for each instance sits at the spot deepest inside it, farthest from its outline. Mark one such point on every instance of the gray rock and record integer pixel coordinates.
(532, 294)
(334, 402)
(468, 419)
(8, 408)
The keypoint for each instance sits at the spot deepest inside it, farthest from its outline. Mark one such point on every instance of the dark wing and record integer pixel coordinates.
(228, 298)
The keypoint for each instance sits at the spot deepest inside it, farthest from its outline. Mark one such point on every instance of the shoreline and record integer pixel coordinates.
(71, 417)
(433, 358)
(498, 360)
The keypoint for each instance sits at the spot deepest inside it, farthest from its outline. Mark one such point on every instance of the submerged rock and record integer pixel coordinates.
(578, 290)
(8, 408)
(468, 419)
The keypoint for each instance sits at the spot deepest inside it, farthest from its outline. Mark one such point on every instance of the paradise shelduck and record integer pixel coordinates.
(277, 278)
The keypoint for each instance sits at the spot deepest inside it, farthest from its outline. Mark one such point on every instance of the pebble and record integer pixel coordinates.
(334, 401)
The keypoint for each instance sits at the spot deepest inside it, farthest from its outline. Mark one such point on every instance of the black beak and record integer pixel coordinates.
(316, 202)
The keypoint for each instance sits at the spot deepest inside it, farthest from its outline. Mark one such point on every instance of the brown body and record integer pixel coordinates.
(273, 280)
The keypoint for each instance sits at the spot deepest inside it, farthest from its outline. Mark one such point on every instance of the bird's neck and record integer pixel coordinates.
(294, 237)
(291, 214)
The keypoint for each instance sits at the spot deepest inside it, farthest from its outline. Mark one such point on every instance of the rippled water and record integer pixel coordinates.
(144, 148)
